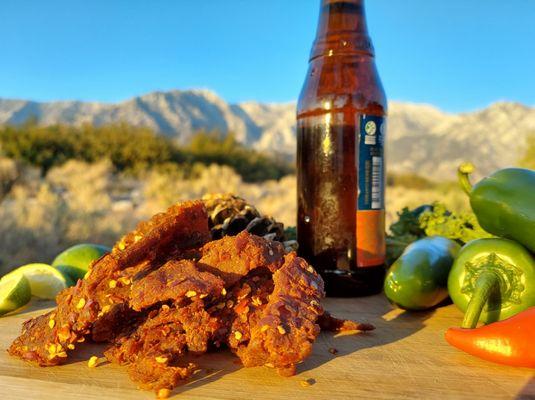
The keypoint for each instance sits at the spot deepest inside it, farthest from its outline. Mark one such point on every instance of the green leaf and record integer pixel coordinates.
(403, 232)
(462, 227)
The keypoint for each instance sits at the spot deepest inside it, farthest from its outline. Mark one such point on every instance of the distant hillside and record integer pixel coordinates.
(425, 140)
(421, 138)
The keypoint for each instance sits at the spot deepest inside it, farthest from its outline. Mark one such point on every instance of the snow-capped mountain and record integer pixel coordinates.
(421, 139)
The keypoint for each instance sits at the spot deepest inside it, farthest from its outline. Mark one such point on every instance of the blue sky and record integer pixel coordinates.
(459, 55)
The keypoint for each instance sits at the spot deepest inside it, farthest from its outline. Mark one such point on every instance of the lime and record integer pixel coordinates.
(74, 262)
(45, 281)
(14, 292)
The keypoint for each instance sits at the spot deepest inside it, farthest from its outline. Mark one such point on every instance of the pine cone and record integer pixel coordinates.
(229, 215)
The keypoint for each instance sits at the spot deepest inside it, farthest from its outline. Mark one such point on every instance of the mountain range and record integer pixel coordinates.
(421, 138)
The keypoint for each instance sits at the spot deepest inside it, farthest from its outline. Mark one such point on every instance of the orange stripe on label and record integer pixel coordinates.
(371, 245)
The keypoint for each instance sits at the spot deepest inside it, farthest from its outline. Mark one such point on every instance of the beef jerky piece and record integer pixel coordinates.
(239, 307)
(112, 295)
(175, 281)
(79, 307)
(332, 324)
(286, 328)
(150, 374)
(47, 339)
(120, 320)
(234, 256)
(184, 225)
(37, 342)
(156, 336)
(161, 341)
(167, 331)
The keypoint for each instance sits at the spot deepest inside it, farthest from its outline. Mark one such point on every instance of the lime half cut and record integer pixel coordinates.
(45, 281)
(14, 292)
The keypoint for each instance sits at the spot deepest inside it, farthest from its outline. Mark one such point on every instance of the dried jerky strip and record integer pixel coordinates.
(233, 257)
(149, 374)
(332, 324)
(119, 320)
(174, 281)
(184, 225)
(79, 307)
(47, 339)
(287, 328)
(154, 351)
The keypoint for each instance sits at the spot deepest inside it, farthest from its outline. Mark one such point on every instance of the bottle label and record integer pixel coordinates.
(371, 165)
(371, 190)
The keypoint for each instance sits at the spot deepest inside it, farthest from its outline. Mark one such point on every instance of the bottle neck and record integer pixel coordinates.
(342, 30)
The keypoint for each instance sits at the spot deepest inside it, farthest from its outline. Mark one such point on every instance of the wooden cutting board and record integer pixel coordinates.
(406, 357)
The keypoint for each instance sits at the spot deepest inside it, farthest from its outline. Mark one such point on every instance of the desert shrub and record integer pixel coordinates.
(134, 150)
(212, 148)
(42, 147)
(528, 160)
(9, 174)
(128, 148)
(31, 226)
(409, 181)
(161, 189)
(71, 205)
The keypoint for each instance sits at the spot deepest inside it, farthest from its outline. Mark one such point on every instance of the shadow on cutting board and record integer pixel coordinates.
(528, 391)
(213, 366)
(391, 324)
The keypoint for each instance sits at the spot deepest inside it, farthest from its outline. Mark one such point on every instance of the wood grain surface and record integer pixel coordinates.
(405, 358)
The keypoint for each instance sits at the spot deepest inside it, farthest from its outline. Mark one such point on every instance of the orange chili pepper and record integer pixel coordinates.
(507, 342)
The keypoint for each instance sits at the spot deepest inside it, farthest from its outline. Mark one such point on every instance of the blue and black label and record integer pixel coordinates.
(371, 180)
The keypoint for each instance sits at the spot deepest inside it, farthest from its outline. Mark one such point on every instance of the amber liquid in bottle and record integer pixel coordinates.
(340, 158)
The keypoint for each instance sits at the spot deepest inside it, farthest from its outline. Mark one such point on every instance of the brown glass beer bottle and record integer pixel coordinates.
(340, 155)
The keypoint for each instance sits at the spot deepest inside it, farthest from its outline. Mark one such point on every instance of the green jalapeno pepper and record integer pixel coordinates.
(418, 279)
(492, 279)
(504, 202)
